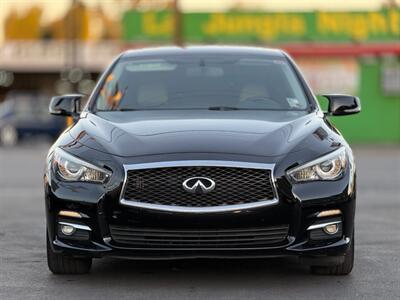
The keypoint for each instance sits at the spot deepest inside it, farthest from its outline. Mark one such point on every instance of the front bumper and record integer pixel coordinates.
(298, 208)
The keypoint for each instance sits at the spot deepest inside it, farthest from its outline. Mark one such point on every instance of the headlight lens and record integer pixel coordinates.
(327, 167)
(71, 168)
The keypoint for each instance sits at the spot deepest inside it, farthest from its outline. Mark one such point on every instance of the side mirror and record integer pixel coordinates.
(66, 105)
(341, 105)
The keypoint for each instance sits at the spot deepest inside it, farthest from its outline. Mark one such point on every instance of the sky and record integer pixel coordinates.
(56, 8)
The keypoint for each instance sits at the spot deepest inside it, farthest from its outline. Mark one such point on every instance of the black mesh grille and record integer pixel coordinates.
(232, 186)
(210, 238)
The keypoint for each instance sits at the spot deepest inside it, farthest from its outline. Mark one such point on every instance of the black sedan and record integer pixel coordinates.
(201, 152)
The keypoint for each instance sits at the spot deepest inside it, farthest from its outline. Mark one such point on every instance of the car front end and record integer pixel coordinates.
(244, 178)
(141, 210)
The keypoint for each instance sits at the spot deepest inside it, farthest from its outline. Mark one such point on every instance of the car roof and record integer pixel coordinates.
(203, 50)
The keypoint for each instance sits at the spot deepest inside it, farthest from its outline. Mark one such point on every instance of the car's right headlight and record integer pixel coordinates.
(328, 167)
(71, 168)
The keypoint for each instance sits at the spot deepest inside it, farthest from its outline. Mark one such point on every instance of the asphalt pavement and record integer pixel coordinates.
(24, 273)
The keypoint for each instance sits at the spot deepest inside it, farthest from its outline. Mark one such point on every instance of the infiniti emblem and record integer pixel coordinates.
(198, 185)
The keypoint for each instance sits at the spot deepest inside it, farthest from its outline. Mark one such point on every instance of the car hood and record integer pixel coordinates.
(138, 133)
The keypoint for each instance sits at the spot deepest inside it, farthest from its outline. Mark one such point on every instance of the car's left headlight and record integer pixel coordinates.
(71, 168)
(327, 167)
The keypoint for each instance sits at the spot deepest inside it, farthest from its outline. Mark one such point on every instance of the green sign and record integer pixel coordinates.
(256, 27)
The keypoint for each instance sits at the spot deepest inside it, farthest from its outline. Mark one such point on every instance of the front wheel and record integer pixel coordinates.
(61, 264)
(342, 269)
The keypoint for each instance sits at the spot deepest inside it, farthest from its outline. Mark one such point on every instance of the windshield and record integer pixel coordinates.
(213, 83)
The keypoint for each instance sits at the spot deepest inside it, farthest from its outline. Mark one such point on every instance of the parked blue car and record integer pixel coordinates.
(25, 113)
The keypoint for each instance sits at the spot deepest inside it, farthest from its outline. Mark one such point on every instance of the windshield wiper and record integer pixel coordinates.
(118, 109)
(223, 108)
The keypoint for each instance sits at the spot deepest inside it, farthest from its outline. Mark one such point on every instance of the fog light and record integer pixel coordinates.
(331, 229)
(67, 229)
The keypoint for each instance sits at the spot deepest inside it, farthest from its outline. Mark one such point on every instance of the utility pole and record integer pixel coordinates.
(178, 24)
(75, 34)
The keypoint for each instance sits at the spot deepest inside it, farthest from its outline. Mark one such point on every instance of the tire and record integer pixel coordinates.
(343, 269)
(61, 264)
(8, 136)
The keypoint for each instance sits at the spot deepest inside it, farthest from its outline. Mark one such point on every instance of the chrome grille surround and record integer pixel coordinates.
(199, 163)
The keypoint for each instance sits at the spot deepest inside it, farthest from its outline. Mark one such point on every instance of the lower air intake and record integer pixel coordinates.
(195, 239)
